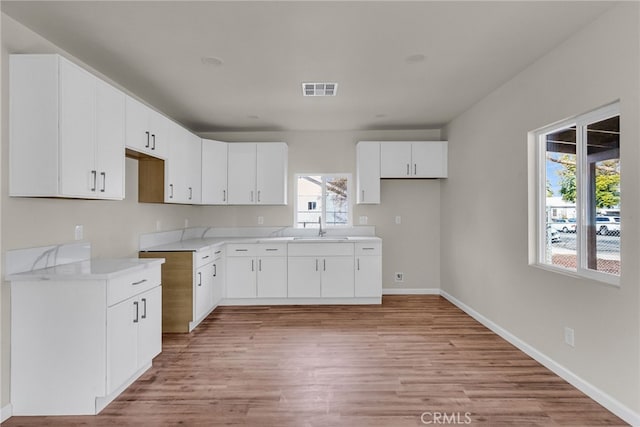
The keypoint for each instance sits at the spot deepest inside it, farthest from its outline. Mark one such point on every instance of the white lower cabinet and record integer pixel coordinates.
(256, 271)
(219, 282)
(321, 270)
(368, 270)
(76, 343)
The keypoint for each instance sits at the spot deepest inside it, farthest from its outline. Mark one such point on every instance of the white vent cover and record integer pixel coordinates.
(319, 89)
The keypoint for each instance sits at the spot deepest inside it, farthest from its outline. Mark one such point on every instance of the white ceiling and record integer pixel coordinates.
(268, 49)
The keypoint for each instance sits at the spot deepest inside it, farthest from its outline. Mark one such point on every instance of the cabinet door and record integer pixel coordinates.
(368, 276)
(202, 290)
(160, 136)
(214, 172)
(110, 130)
(194, 169)
(218, 284)
(149, 325)
(176, 166)
(271, 173)
(337, 277)
(395, 159)
(242, 174)
(368, 172)
(122, 342)
(272, 277)
(303, 277)
(78, 174)
(241, 277)
(429, 159)
(138, 135)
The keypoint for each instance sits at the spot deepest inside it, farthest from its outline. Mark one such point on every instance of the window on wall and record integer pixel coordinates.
(325, 197)
(578, 179)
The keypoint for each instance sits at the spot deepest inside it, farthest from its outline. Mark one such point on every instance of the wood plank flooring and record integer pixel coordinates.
(343, 366)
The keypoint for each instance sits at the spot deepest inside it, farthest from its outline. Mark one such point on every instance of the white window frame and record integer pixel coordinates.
(323, 213)
(538, 227)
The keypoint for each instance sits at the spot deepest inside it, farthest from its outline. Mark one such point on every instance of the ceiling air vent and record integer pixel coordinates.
(319, 89)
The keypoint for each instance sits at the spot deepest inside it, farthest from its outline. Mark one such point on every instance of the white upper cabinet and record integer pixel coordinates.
(147, 130)
(182, 168)
(241, 174)
(368, 172)
(418, 159)
(66, 131)
(257, 173)
(214, 172)
(271, 173)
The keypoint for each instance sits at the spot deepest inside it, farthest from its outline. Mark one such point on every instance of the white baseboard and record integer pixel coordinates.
(301, 301)
(6, 412)
(411, 291)
(604, 399)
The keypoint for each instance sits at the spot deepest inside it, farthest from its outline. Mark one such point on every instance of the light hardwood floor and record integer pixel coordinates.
(343, 366)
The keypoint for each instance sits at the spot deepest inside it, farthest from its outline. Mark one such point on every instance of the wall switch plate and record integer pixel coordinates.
(79, 232)
(260, 220)
(399, 277)
(363, 220)
(398, 219)
(569, 336)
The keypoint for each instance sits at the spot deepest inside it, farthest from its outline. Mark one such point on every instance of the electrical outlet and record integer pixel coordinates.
(158, 225)
(79, 232)
(186, 223)
(398, 219)
(363, 220)
(569, 336)
(260, 220)
(399, 277)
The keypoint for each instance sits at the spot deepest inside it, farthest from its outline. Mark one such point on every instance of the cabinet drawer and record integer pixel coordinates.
(279, 249)
(203, 257)
(320, 249)
(128, 285)
(363, 249)
(218, 252)
(244, 249)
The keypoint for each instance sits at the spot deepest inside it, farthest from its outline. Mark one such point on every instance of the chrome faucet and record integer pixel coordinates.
(320, 232)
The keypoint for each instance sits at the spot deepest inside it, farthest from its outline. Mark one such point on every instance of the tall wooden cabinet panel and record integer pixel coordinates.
(66, 131)
(214, 172)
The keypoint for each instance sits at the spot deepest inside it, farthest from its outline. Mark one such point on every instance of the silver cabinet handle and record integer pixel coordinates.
(153, 138)
(251, 195)
(171, 194)
(415, 169)
(324, 265)
(358, 260)
(316, 265)
(94, 174)
(252, 265)
(199, 278)
(215, 270)
(408, 169)
(104, 181)
(259, 265)
(224, 195)
(241, 250)
(137, 312)
(368, 249)
(205, 257)
(217, 252)
(190, 193)
(258, 196)
(147, 145)
(363, 195)
(139, 282)
(271, 249)
(144, 308)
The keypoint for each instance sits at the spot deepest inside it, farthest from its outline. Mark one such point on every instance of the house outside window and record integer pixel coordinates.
(578, 223)
(325, 197)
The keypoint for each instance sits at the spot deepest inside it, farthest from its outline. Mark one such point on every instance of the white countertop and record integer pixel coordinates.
(92, 269)
(194, 245)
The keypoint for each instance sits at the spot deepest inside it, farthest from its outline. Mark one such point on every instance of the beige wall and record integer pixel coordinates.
(113, 227)
(411, 247)
(484, 208)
